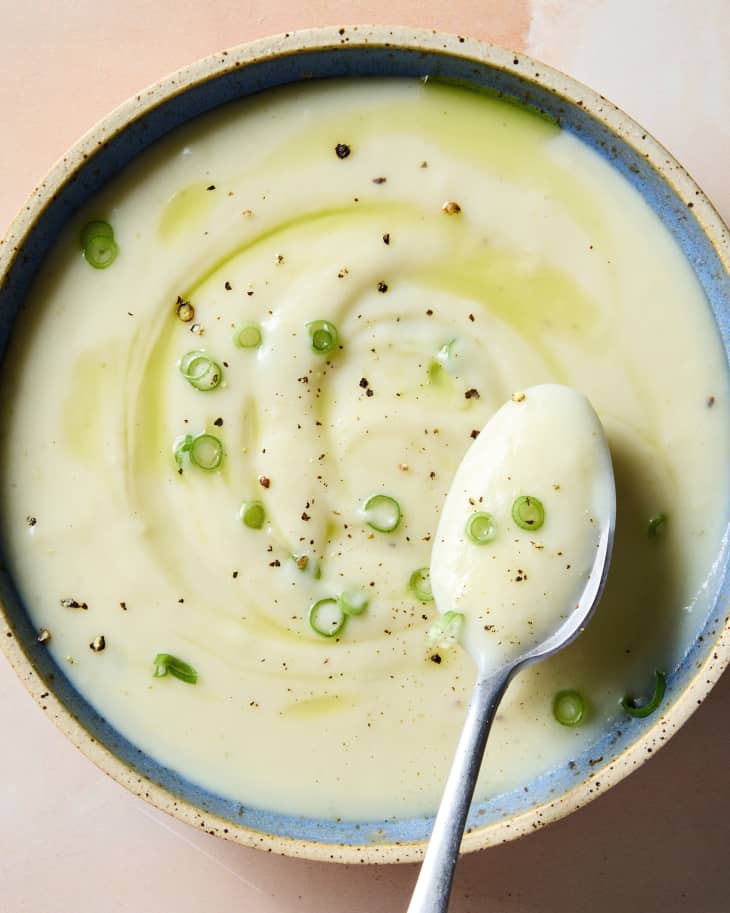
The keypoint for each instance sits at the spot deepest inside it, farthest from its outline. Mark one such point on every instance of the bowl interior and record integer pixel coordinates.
(667, 190)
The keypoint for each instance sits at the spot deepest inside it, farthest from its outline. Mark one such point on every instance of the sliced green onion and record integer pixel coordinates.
(167, 664)
(182, 445)
(95, 229)
(100, 251)
(253, 514)
(327, 617)
(447, 358)
(200, 371)
(382, 513)
(528, 513)
(569, 708)
(206, 452)
(446, 351)
(353, 601)
(656, 526)
(481, 528)
(419, 584)
(323, 336)
(248, 336)
(444, 633)
(641, 710)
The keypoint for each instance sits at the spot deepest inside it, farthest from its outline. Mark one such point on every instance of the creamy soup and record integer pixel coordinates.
(225, 454)
(518, 537)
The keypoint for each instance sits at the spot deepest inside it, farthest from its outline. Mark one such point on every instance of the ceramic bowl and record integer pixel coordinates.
(364, 52)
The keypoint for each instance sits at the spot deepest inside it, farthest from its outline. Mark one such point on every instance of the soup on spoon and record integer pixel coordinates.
(521, 556)
(520, 527)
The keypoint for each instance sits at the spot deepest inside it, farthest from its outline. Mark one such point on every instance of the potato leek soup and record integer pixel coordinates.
(236, 400)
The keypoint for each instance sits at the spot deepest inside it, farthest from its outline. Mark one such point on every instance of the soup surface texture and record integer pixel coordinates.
(409, 255)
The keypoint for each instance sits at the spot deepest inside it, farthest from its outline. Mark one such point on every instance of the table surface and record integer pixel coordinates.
(71, 840)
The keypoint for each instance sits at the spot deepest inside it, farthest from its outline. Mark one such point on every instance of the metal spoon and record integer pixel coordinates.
(433, 887)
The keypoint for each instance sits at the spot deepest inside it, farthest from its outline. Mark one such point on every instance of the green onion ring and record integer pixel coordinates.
(382, 513)
(419, 584)
(444, 632)
(200, 370)
(167, 664)
(182, 445)
(326, 617)
(248, 336)
(569, 708)
(353, 601)
(100, 251)
(660, 686)
(323, 336)
(95, 229)
(528, 513)
(206, 452)
(481, 528)
(253, 514)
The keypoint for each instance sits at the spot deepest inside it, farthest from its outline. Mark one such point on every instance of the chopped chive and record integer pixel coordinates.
(323, 336)
(167, 664)
(95, 229)
(444, 633)
(353, 601)
(326, 617)
(100, 251)
(419, 584)
(206, 452)
(182, 445)
(253, 514)
(446, 358)
(481, 528)
(248, 336)
(656, 526)
(569, 708)
(528, 513)
(641, 710)
(382, 513)
(200, 371)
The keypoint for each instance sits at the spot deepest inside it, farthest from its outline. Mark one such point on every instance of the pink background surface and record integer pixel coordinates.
(71, 840)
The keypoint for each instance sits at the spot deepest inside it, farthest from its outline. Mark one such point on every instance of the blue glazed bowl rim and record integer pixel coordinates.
(364, 51)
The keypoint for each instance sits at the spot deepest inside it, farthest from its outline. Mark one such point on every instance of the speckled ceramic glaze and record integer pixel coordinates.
(365, 52)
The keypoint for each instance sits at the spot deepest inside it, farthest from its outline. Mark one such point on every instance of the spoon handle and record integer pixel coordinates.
(431, 894)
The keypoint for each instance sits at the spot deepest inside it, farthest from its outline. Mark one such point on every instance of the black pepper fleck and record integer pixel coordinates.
(342, 150)
(218, 422)
(382, 287)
